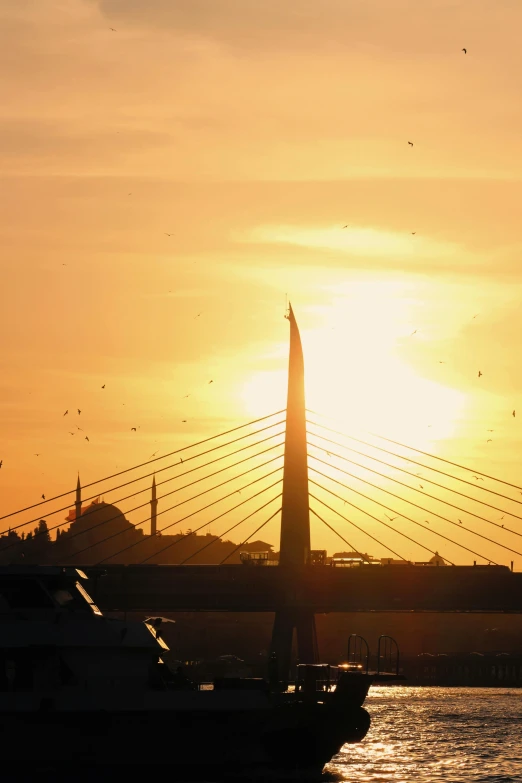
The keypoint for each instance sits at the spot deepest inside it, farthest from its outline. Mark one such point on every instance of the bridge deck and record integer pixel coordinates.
(240, 588)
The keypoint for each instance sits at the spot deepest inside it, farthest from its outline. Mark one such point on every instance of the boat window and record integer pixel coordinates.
(24, 594)
(62, 597)
(87, 597)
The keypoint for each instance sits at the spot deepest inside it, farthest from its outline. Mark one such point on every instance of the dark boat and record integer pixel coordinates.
(79, 690)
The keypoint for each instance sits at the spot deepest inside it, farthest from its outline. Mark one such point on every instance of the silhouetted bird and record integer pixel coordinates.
(37, 455)
(410, 143)
(460, 521)
(168, 235)
(442, 362)
(413, 233)
(79, 411)
(66, 412)
(501, 525)
(420, 485)
(479, 374)
(43, 497)
(103, 387)
(465, 51)
(113, 29)
(197, 316)
(1, 462)
(153, 455)
(490, 440)
(133, 429)
(415, 332)
(181, 460)
(490, 430)
(427, 521)
(186, 395)
(390, 518)
(513, 414)
(479, 478)
(72, 433)
(211, 382)
(183, 421)
(79, 428)
(345, 226)
(86, 438)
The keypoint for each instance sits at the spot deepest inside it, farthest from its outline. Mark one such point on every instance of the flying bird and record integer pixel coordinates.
(72, 433)
(43, 496)
(183, 421)
(79, 411)
(168, 235)
(513, 414)
(186, 395)
(211, 382)
(465, 51)
(479, 374)
(442, 362)
(489, 440)
(1, 462)
(490, 430)
(474, 316)
(86, 438)
(37, 455)
(413, 233)
(390, 518)
(103, 387)
(346, 226)
(79, 428)
(427, 521)
(479, 478)
(113, 29)
(197, 316)
(66, 412)
(410, 143)
(460, 521)
(415, 332)
(133, 429)
(181, 460)
(153, 455)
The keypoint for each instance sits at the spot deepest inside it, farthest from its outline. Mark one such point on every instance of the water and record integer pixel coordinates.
(426, 735)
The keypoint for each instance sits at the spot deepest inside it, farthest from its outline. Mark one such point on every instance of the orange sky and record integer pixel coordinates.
(253, 132)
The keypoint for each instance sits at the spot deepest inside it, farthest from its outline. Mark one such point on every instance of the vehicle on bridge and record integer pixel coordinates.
(78, 688)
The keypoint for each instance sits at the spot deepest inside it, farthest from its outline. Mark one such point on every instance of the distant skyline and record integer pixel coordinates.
(165, 184)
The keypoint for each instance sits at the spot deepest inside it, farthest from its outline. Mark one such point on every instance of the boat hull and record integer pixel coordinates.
(288, 738)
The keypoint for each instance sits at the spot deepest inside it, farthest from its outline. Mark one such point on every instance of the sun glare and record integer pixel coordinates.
(355, 374)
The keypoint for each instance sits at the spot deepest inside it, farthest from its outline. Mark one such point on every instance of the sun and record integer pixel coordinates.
(355, 375)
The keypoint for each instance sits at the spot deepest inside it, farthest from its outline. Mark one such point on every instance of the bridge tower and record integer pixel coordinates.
(295, 520)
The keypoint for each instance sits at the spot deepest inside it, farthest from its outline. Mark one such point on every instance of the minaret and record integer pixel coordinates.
(153, 507)
(78, 503)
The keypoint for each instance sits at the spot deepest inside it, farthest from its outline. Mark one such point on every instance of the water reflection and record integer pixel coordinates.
(436, 734)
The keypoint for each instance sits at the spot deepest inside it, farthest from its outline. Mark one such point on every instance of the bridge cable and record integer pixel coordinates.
(154, 473)
(176, 505)
(252, 513)
(420, 491)
(342, 537)
(251, 535)
(183, 519)
(411, 503)
(220, 537)
(360, 529)
(142, 464)
(427, 467)
(448, 462)
(394, 511)
(188, 500)
(334, 531)
(179, 489)
(390, 527)
(354, 549)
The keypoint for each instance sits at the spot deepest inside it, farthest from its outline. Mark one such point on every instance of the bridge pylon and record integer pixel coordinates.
(294, 551)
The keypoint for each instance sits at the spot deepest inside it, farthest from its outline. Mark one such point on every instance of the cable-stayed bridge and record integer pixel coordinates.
(369, 493)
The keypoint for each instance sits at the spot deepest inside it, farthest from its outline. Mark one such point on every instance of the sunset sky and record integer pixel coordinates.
(253, 131)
